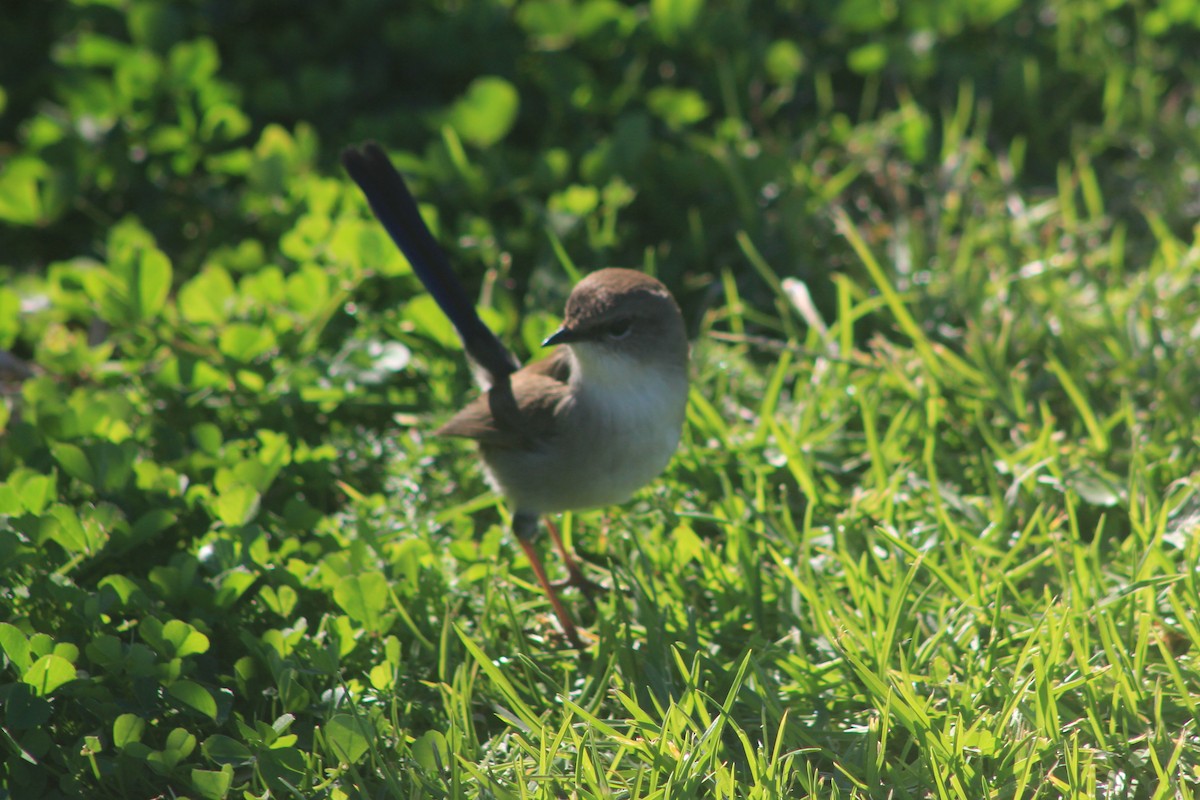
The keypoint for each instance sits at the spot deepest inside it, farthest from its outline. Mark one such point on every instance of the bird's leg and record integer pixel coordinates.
(525, 528)
(575, 576)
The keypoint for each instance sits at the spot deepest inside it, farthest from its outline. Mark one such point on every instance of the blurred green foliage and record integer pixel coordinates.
(212, 577)
(164, 111)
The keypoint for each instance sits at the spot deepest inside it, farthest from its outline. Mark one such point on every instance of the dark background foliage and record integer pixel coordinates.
(229, 559)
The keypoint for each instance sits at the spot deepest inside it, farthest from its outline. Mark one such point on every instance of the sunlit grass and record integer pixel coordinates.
(951, 561)
(931, 531)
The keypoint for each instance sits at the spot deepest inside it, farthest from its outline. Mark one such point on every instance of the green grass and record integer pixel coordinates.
(932, 527)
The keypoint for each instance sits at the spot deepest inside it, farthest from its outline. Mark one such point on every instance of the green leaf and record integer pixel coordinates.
(915, 132)
(308, 289)
(265, 287)
(10, 317)
(113, 463)
(863, 16)
(169, 139)
(36, 490)
(185, 639)
(63, 525)
(486, 112)
(244, 342)
(20, 202)
(127, 729)
(364, 597)
(281, 601)
(237, 505)
(151, 283)
(194, 62)
(207, 298)
(364, 245)
(174, 639)
(151, 630)
(23, 710)
(213, 784)
(382, 676)
(10, 501)
(551, 22)
(678, 108)
(41, 644)
(90, 49)
(225, 750)
(15, 645)
(784, 62)
(349, 737)
(431, 751)
(73, 462)
(671, 19)
(150, 524)
(224, 122)
(48, 673)
(107, 291)
(575, 200)
(136, 76)
(429, 320)
(233, 584)
(208, 438)
(194, 696)
(124, 588)
(868, 59)
(283, 767)
(277, 157)
(180, 742)
(105, 651)
(67, 650)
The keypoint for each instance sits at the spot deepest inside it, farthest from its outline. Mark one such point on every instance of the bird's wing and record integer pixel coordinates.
(519, 411)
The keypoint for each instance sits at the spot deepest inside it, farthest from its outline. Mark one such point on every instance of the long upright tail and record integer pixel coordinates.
(396, 209)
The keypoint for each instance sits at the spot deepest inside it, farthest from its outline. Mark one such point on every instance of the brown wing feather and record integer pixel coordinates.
(519, 409)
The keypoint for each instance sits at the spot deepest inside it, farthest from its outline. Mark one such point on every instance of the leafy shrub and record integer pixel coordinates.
(231, 563)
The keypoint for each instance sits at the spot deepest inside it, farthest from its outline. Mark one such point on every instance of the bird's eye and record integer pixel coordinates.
(619, 328)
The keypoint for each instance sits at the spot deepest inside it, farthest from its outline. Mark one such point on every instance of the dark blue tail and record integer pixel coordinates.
(395, 207)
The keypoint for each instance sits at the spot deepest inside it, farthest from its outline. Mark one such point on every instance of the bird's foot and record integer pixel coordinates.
(577, 580)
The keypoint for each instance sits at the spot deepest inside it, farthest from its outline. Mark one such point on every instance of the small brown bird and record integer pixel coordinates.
(586, 427)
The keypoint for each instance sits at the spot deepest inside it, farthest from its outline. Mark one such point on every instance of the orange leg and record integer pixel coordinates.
(560, 611)
(575, 576)
(525, 527)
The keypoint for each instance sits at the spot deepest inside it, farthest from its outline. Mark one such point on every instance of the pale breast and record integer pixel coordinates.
(614, 436)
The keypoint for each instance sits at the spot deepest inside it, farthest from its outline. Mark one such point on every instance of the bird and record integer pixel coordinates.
(587, 426)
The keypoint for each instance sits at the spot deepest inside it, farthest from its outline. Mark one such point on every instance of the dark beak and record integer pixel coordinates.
(563, 335)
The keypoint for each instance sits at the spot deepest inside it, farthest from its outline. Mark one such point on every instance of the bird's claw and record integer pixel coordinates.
(577, 580)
